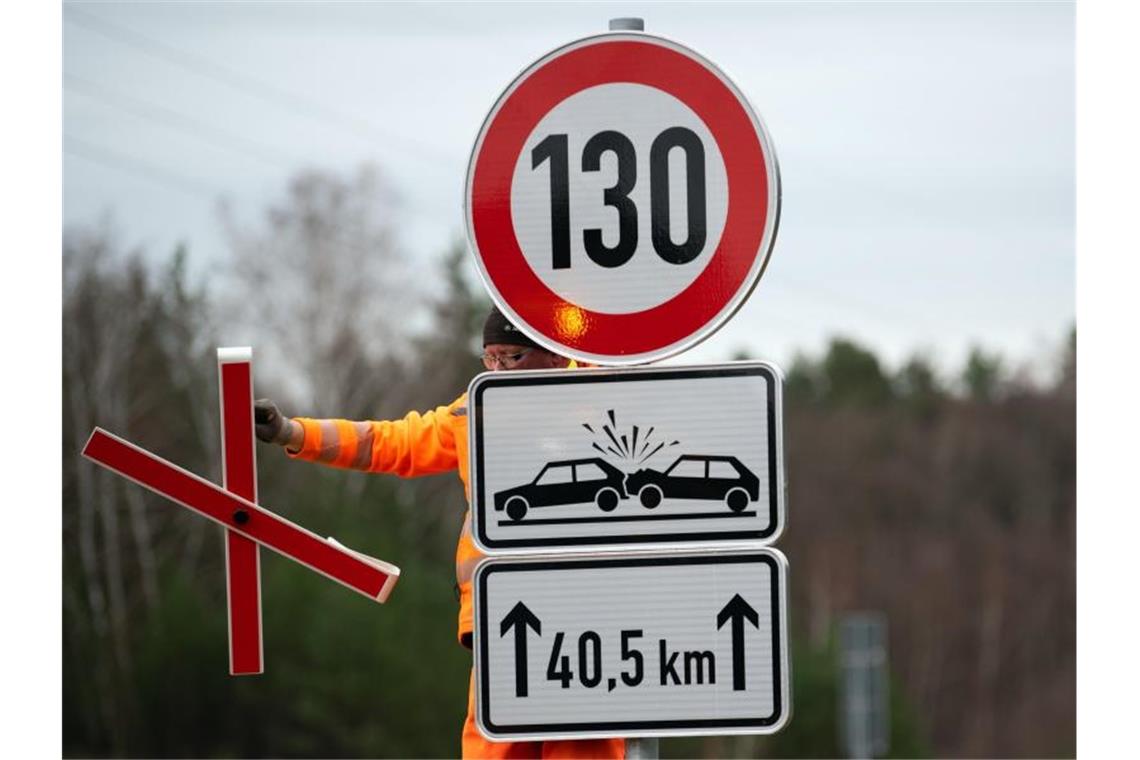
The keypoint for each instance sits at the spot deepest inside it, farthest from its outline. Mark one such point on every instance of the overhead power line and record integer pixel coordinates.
(187, 124)
(112, 158)
(877, 311)
(217, 136)
(309, 108)
(296, 102)
(122, 162)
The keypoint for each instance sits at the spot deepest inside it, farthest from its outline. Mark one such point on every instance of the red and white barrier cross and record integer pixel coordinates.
(235, 508)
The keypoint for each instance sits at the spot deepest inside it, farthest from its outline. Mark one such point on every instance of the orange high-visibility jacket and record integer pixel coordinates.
(418, 444)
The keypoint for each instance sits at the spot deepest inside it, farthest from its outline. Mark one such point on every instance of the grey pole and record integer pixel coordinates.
(638, 747)
(641, 748)
(627, 24)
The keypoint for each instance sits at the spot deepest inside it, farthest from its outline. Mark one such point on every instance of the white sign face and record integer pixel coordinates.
(622, 199)
(634, 645)
(593, 458)
(644, 281)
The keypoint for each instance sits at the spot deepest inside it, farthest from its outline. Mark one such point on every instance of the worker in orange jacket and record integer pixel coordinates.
(426, 444)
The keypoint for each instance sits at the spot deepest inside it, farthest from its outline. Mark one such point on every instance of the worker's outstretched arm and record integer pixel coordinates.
(418, 444)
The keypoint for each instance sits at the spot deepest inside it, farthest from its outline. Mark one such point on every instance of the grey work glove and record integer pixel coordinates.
(270, 424)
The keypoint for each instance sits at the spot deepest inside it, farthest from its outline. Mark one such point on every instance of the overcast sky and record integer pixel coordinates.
(926, 149)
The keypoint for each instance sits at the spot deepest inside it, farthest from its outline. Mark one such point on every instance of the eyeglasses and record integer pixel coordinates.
(504, 361)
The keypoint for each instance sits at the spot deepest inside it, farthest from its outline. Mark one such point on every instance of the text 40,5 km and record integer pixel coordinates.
(580, 661)
(674, 668)
(554, 148)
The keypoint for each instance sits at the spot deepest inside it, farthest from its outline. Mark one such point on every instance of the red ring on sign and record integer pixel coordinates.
(690, 310)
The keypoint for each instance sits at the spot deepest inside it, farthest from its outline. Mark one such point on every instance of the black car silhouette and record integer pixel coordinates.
(694, 476)
(574, 481)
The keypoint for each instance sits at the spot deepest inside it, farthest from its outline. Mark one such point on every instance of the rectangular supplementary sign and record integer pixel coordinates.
(648, 644)
(564, 460)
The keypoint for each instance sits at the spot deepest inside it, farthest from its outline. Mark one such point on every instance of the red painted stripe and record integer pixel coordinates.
(243, 569)
(243, 573)
(205, 498)
(237, 430)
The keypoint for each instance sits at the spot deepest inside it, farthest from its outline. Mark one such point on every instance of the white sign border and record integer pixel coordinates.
(706, 727)
(524, 547)
(767, 238)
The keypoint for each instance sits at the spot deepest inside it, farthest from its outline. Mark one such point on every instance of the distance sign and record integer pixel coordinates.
(635, 645)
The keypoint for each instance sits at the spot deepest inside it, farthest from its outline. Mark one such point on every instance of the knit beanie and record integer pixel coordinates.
(498, 329)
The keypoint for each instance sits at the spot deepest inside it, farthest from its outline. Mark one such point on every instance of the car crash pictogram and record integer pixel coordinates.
(581, 481)
(626, 457)
(574, 481)
(695, 476)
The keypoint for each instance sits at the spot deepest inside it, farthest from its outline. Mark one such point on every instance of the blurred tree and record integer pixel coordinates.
(983, 375)
(1067, 377)
(813, 730)
(144, 603)
(323, 292)
(438, 365)
(803, 383)
(741, 355)
(124, 369)
(144, 660)
(851, 375)
(918, 387)
(321, 289)
(444, 358)
(960, 526)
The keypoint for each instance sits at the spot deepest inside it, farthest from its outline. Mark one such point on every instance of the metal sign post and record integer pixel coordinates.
(637, 748)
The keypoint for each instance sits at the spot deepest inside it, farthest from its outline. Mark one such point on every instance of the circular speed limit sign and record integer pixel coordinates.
(622, 199)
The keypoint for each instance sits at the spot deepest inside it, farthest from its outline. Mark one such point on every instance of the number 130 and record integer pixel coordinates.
(554, 148)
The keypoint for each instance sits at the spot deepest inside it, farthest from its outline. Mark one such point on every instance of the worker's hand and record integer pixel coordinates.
(270, 424)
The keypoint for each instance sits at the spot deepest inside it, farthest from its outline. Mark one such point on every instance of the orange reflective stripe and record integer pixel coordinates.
(465, 548)
(466, 555)
(364, 438)
(330, 441)
(346, 451)
(465, 569)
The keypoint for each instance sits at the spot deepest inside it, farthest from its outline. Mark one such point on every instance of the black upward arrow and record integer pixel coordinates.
(519, 618)
(736, 610)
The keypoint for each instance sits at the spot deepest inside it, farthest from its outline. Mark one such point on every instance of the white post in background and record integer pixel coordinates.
(864, 708)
